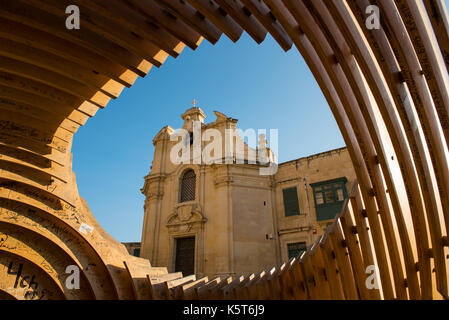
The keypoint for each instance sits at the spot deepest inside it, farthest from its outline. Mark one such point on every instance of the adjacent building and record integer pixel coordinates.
(133, 248)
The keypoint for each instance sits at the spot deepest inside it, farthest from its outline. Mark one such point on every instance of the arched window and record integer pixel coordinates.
(188, 183)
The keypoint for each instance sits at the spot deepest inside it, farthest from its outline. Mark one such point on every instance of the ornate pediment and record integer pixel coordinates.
(186, 213)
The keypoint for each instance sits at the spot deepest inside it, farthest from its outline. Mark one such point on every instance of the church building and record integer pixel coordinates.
(227, 219)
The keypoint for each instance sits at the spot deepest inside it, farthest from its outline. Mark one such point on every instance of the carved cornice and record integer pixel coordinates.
(152, 186)
(155, 195)
(223, 180)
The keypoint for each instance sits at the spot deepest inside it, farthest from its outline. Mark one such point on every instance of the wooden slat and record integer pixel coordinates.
(349, 106)
(310, 279)
(216, 292)
(49, 43)
(344, 265)
(437, 80)
(184, 11)
(49, 87)
(170, 286)
(384, 43)
(437, 12)
(374, 148)
(204, 292)
(319, 271)
(44, 21)
(228, 290)
(217, 16)
(244, 18)
(105, 28)
(130, 19)
(164, 19)
(298, 280)
(268, 20)
(286, 282)
(332, 270)
(187, 291)
(272, 288)
(360, 47)
(357, 264)
(78, 78)
(157, 286)
(49, 105)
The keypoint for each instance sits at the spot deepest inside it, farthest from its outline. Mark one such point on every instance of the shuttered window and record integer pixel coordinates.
(296, 249)
(291, 204)
(329, 197)
(188, 185)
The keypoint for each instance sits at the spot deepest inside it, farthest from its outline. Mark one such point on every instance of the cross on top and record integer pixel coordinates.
(194, 102)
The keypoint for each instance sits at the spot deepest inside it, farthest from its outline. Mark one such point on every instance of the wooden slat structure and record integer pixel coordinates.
(388, 88)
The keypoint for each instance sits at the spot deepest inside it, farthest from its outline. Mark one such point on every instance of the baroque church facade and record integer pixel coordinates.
(224, 219)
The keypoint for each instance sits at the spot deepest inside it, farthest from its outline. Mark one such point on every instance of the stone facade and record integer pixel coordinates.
(241, 221)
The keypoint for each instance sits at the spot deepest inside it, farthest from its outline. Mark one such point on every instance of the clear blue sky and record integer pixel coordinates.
(260, 85)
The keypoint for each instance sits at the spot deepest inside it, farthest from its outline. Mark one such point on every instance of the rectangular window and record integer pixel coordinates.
(329, 197)
(291, 204)
(296, 249)
(136, 252)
